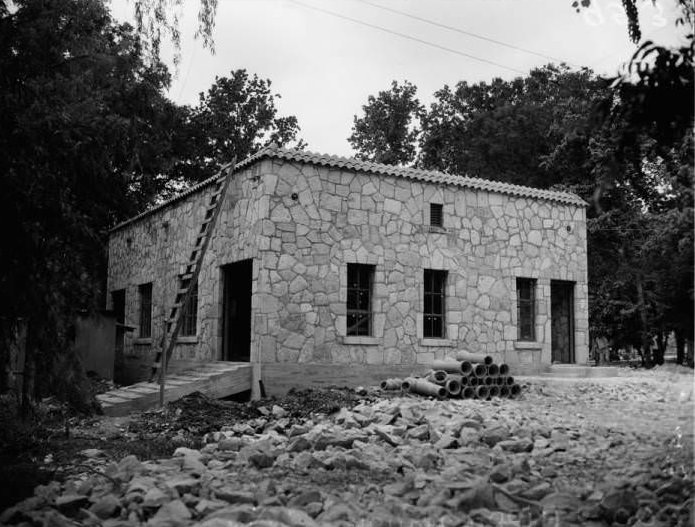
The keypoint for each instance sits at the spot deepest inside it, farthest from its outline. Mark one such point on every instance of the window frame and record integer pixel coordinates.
(365, 273)
(526, 309)
(437, 215)
(431, 318)
(145, 314)
(189, 324)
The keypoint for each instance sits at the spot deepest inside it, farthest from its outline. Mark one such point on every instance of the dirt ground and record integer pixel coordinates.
(609, 451)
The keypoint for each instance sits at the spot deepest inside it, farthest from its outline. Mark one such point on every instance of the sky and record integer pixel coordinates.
(325, 57)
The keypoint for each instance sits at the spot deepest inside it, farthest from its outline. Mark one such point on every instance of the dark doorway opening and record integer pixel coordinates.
(118, 303)
(236, 311)
(562, 321)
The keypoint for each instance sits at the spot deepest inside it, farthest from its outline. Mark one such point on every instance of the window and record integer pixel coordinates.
(359, 299)
(436, 215)
(435, 300)
(526, 308)
(189, 325)
(145, 295)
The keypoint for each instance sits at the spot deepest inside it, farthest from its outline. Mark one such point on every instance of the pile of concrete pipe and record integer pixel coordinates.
(468, 376)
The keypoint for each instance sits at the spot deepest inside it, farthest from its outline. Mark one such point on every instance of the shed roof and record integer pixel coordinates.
(429, 176)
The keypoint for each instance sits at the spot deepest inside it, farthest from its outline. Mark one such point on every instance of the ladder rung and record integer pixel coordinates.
(185, 276)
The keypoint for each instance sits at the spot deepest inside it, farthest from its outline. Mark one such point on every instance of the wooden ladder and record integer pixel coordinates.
(189, 278)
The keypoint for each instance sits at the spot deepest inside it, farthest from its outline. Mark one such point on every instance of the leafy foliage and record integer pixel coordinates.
(85, 134)
(648, 158)
(155, 19)
(530, 131)
(387, 132)
(632, 14)
(237, 116)
(89, 139)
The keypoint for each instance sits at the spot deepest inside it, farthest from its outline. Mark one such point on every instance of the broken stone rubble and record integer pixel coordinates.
(403, 459)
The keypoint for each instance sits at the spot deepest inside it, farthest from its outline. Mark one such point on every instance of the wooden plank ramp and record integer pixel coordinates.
(214, 379)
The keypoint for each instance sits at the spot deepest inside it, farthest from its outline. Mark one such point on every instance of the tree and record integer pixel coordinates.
(237, 116)
(648, 152)
(85, 132)
(531, 131)
(155, 19)
(651, 120)
(387, 132)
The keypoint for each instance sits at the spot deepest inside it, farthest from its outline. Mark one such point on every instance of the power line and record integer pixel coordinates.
(409, 37)
(463, 32)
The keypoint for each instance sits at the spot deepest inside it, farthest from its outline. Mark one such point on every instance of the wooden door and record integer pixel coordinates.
(562, 321)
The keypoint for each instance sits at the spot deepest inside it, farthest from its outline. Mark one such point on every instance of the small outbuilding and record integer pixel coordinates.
(330, 270)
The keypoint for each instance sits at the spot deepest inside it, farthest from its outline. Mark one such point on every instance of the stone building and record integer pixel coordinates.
(331, 270)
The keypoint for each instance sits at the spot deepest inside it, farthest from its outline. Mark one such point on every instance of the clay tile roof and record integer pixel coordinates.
(332, 161)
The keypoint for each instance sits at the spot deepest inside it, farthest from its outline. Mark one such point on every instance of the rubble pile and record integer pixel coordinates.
(469, 376)
(558, 456)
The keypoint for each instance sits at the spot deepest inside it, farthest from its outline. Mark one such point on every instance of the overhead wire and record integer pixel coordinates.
(464, 32)
(408, 37)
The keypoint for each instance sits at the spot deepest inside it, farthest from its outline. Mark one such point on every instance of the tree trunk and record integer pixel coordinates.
(661, 343)
(28, 372)
(642, 309)
(680, 347)
(5, 338)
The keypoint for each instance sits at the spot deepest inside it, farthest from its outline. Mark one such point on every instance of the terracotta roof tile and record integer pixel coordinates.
(303, 156)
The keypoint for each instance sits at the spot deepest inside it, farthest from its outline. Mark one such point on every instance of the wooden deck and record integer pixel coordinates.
(215, 379)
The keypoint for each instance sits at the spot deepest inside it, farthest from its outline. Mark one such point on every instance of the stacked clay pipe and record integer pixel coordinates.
(469, 376)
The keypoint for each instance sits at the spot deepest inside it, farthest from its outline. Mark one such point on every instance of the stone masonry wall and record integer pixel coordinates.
(302, 224)
(156, 249)
(321, 219)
